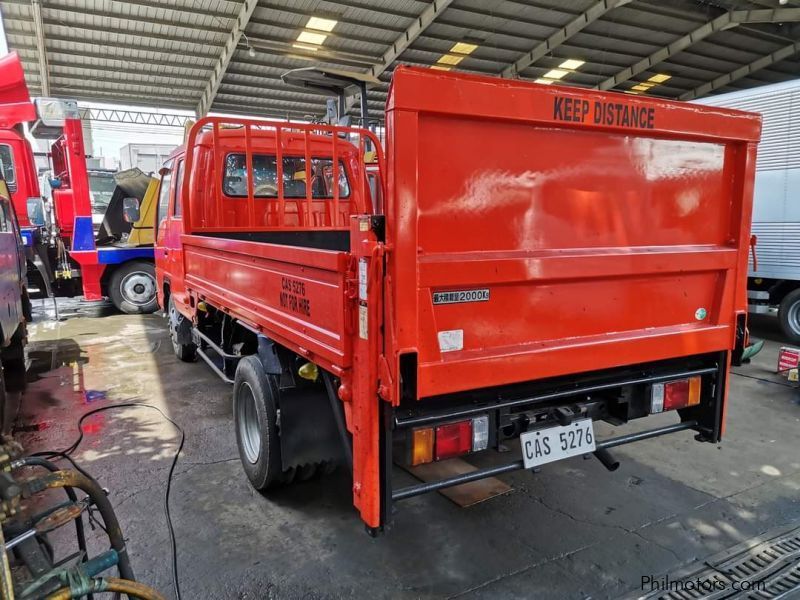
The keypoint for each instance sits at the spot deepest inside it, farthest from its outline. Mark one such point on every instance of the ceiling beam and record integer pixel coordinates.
(743, 71)
(207, 99)
(594, 12)
(134, 117)
(38, 26)
(403, 41)
(724, 21)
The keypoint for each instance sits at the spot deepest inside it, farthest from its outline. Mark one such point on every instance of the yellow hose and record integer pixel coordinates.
(134, 589)
(7, 588)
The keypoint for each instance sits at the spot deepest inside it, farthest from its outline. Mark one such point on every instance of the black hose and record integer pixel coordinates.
(65, 454)
(63, 479)
(38, 461)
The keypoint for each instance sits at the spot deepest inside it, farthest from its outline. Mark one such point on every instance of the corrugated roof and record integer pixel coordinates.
(165, 52)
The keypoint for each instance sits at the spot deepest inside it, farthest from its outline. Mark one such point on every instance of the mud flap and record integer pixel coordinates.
(308, 427)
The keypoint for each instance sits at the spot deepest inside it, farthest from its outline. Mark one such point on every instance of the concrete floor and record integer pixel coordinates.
(571, 531)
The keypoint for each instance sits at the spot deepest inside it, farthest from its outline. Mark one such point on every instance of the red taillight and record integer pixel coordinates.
(453, 439)
(675, 394)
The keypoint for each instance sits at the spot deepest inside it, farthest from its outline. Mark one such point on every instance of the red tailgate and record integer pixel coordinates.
(543, 231)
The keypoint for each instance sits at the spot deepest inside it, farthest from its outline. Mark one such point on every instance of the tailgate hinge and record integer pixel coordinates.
(385, 382)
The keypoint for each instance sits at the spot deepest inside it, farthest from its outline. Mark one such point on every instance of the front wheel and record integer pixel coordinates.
(132, 288)
(789, 316)
(179, 331)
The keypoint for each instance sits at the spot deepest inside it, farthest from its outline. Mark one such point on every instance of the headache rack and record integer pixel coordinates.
(285, 135)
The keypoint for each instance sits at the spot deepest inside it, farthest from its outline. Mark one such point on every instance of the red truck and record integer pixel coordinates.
(70, 256)
(542, 258)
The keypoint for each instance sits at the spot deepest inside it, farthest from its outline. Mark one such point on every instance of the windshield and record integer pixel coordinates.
(101, 188)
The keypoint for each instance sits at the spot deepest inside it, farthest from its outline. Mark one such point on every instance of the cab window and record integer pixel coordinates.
(5, 222)
(176, 207)
(7, 164)
(163, 193)
(265, 177)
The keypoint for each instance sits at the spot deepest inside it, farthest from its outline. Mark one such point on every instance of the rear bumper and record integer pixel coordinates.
(616, 396)
(416, 490)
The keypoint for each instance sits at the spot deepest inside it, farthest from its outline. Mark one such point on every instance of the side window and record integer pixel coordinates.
(176, 207)
(375, 191)
(163, 193)
(265, 177)
(5, 224)
(7, 164)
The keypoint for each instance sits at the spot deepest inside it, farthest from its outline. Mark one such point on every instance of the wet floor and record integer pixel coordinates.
(571, 531)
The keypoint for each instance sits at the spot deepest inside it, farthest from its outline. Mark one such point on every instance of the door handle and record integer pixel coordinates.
(166, 252)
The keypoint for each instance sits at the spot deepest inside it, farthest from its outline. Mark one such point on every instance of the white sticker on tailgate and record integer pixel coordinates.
(542, 446)
(459, 296)
(451, 340)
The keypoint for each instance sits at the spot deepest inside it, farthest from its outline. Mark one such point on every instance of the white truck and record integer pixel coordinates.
(147, 157)
(774, 277)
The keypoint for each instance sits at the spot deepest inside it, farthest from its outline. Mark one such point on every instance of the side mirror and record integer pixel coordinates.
(36, 212)
(130, 210)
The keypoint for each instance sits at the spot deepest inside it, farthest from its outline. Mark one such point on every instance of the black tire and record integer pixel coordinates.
(14, 360)
(789, 316)
(5, 427)
(132, 288)
(255, 417)
(180, 328)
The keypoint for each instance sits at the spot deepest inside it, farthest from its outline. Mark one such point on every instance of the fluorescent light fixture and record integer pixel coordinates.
(321, 24)
(660, 78)
(305, 47)
(440, 68)
(544, 81)
(450, 59)
(463, 48)
(555, 73)
(571, 64)
(307, 37)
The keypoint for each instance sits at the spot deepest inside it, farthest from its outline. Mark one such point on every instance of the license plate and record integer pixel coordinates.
(554, 443)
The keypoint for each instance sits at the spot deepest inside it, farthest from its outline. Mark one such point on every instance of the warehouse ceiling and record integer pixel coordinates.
(228, 56)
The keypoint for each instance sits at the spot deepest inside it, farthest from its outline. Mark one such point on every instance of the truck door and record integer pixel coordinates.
(163, 276)
(10, 290)
(169, 255)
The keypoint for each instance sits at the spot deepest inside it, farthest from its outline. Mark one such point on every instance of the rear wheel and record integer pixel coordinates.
(789, 316)
(179, 331)
(132, 288)
(256, 419)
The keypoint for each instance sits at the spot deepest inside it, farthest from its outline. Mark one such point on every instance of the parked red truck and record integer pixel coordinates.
(543, 258)
(65, 255)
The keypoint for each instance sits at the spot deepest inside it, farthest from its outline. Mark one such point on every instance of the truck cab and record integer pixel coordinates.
(19, 171)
